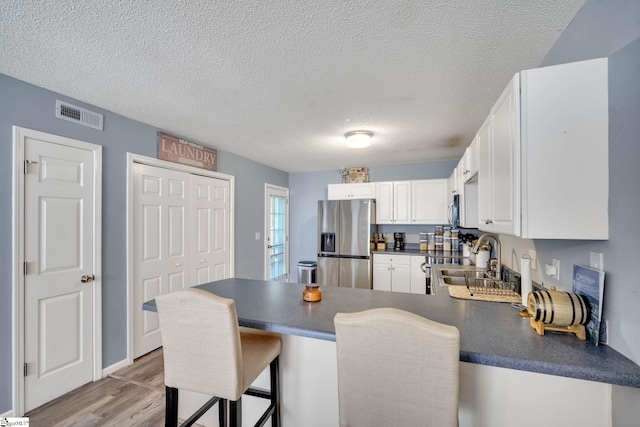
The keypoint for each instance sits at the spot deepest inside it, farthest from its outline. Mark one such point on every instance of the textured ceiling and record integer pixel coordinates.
(281, 81)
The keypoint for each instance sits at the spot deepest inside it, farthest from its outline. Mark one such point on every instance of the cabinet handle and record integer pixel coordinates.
(488, 221)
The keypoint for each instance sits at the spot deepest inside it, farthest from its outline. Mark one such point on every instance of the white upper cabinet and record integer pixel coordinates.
(543, 168)
(429, 201)
(565, 151)
(402, 202)
(471, 160)
(412, 202)
(393, 202)
(360, 190)
(501, 183)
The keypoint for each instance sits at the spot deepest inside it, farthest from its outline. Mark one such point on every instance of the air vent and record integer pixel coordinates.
(66, 111)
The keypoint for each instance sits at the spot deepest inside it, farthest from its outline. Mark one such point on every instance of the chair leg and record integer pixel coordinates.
(235, 413)
(274, 369)
(171, 407)
(222, 412)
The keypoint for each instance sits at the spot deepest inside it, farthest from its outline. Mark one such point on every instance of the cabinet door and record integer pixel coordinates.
(363, 190)
(418, 277)
(384, 202)
(565, 174)
(471, 159)
(505, 160)
(401, 274)
(338, 191)
(485, 179)
(381, 273)
(429, 205)
(402, 202)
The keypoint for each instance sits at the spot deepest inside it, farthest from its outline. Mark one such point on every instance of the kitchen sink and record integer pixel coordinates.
(477, 281)
(479, 274)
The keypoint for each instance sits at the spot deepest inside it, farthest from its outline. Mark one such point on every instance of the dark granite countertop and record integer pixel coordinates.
(491, 334)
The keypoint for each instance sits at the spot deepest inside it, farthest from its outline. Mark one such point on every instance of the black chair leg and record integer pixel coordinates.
(274, 369)
(235, 413)
(222, 412)
(171, 407)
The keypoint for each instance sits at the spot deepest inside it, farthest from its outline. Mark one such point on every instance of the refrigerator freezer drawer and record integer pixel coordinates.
(355, 273)
(327, 272)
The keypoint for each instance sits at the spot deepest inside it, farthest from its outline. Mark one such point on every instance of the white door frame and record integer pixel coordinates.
(137, 158)
(267, 229)
(19, 133)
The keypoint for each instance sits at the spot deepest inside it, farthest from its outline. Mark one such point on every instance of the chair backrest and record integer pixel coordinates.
(201, 341)
(396, 368)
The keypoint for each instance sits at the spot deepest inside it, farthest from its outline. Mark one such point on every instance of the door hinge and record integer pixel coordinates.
(24, 268)
(25, 369)
(26, 165)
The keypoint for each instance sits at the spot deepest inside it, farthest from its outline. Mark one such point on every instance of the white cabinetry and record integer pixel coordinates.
(362, 190)
(418, 275)
(412, 202)
(543, 172)
(499, 184)
(393, 202)
(429, 201)
(392, 273)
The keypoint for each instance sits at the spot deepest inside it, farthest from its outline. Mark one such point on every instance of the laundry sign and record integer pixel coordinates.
(177, 150)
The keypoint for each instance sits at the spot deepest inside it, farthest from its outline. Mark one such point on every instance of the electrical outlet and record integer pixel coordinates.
(596, 261)
(534, 259)
(257, 235)
(553, 270)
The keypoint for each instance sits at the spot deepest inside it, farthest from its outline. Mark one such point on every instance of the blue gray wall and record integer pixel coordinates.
(25, 105)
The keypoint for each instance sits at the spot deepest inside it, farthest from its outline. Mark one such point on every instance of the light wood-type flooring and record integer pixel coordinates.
(131, 396)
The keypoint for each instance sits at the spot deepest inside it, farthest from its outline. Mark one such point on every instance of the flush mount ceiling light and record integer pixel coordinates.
(358, 138)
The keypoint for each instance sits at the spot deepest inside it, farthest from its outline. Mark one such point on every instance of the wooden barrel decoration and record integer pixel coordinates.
(558, 308)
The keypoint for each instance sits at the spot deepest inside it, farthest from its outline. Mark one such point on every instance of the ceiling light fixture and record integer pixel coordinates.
(358, 138)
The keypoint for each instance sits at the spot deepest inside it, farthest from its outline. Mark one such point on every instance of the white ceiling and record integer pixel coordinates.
(281, 81)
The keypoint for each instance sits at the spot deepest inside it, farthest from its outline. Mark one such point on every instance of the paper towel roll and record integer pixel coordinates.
(525, 278)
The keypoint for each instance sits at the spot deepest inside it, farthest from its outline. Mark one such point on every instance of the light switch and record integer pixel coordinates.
(257, 235)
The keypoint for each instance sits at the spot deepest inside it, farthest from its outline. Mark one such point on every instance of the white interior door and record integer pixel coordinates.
(181, 228)
(210, 229)
(160, 245)
(276, 265)
(60, 230)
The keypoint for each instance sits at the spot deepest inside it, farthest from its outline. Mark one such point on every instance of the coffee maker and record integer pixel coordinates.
(398, 241)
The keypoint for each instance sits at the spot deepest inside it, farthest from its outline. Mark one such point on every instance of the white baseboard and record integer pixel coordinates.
(111, 369)
(7, 414)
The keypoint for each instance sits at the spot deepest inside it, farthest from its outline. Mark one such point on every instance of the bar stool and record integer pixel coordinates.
(396, 368)
(205, 352)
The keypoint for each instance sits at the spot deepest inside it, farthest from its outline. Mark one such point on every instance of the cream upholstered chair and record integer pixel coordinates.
(396, 368)
(205, 352)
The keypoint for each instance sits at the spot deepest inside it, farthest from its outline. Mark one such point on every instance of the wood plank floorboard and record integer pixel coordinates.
(131, 396)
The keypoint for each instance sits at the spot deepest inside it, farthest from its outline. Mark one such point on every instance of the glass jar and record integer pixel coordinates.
(431, 241)
(312, 293)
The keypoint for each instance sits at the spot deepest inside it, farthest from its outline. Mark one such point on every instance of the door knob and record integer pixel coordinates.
(87, 278)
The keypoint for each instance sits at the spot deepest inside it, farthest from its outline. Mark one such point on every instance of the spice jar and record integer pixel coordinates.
(312, 293)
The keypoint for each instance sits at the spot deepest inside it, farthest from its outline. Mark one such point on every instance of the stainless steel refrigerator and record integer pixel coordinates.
(344, 234)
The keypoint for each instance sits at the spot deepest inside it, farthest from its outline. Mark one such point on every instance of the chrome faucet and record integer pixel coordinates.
(498, 265)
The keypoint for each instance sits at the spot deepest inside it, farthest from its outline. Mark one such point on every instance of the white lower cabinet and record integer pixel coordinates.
(399, 273)
(392, 273)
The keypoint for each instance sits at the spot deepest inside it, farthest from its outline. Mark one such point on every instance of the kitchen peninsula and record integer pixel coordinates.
(507, 370)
